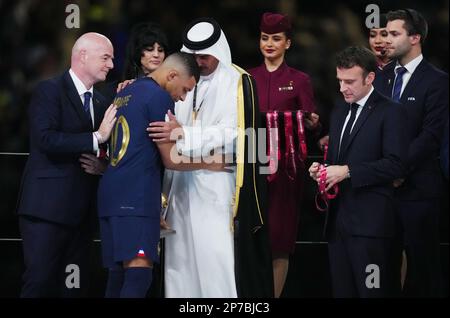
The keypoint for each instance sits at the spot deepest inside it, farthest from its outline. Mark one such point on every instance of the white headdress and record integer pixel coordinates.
(219, 112)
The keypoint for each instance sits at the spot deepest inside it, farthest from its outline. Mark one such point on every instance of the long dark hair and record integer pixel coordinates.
(142, 36)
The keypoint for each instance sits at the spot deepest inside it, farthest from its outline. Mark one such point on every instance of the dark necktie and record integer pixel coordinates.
(87, 103)
(348, 128)
(396, 92)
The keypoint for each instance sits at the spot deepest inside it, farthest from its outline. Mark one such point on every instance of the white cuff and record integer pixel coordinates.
(95, 143)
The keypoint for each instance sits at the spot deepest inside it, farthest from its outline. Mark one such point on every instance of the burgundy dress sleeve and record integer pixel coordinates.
(305, 96)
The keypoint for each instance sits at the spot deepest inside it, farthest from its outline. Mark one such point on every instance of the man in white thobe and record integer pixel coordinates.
(199, 257)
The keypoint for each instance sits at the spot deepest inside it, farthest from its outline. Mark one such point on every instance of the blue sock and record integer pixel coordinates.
(115, 282)
(137, 282)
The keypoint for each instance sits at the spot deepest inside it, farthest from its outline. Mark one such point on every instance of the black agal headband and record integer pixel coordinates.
(207, 40)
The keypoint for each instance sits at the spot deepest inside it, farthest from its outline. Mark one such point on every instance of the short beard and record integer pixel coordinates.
(399, 52)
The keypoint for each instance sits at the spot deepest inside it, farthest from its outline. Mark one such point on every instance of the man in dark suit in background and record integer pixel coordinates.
(423, 90)
(367, 149)
(59, 183)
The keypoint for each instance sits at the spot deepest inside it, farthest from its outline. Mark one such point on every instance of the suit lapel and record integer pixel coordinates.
(365, 113)
(75, 100)
(389, 76)
(413, 82)
(336, 133)
(98, 109)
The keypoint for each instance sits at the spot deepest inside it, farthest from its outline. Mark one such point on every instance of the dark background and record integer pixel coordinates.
(35, 44)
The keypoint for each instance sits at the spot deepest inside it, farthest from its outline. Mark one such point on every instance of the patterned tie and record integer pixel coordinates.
(87, 103)
(348, 129)
(400, 71)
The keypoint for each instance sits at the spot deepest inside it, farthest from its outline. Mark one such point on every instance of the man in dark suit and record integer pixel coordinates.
(366, 152)
(59, 183)
(423, 90)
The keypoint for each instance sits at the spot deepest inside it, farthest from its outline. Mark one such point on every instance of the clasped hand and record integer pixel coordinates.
(335, 174)
(312, 121)
(92, 164)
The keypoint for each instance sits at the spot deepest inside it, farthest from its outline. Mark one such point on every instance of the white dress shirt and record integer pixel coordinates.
(410, 68)
(81, 89)
(361, 104)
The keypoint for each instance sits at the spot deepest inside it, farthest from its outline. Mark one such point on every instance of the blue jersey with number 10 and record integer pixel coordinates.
(131, 185)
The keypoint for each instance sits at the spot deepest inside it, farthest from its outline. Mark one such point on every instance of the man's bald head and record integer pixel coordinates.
(90, 41)
(92, 56)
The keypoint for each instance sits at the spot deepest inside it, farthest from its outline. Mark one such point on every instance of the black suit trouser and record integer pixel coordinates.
(48, 249)
(419, 237)
(359, 266)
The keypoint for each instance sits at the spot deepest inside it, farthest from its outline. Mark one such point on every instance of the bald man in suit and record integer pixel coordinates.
(59, 183)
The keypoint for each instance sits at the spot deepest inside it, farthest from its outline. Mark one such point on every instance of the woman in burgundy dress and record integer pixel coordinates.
(284, 90)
